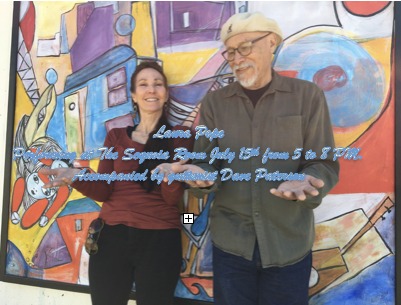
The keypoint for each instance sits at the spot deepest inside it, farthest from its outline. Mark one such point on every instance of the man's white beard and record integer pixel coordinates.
(250, 81)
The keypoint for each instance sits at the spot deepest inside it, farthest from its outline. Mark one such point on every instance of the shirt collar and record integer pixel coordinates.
(278, 83)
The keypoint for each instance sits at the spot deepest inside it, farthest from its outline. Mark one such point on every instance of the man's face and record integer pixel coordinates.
(253, 70)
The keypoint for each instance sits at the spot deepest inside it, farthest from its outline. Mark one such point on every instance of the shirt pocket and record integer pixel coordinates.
(288, 133)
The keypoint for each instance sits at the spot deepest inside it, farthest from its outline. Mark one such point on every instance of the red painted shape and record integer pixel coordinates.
(288, 73)
(47, 162)
(18, 194)
(374, 173)
(27, 25)
(33, 213)
(330, 77)
(365, 8)
(62, 195)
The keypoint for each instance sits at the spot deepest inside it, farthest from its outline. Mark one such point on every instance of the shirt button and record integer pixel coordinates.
(256, 213)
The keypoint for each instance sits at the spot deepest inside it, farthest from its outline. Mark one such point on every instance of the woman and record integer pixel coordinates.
(140, 240)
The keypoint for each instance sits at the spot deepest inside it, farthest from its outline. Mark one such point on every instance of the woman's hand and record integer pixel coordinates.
(179, 167)
(61, 176)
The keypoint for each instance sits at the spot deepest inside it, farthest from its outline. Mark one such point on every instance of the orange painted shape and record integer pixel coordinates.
(33, 213)
(74, 240)
(18, 194)
(62, 195)
(374, 173)
(288, 73)
(365, 8)
(206, 283)
(68, 273)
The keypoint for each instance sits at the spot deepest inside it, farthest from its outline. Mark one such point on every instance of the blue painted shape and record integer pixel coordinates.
(15, 262)
(373, 286)
(64, 49)
(97, 112)
(125, 25)
(357, 90)
(56, 127)
(191, 94)
(52, 250)
(200, 224)
(93, 77)
(100, 66)
(79, 206)
(206, 263)
(385, 227)
(51, 76)
(182, 292)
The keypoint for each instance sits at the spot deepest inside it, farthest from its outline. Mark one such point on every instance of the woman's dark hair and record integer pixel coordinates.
(153, 145)
(147, 65)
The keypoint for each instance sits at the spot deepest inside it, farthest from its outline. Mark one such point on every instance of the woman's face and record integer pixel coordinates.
(150, 91)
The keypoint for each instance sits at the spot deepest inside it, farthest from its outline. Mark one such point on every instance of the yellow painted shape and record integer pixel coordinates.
(345, 138)
(327, 258)
(339, 231)
(46, 11)
(33, 130)
(380, 50)
(77, 195)
(47, 24)
(27, 241)
(61, 64)
(71, 26)
(12, 178)
(23, 107)
(143, 36)
(181, 67)
(366, 251)
(93, 164)
(72, 124)
(23, 104)
(333, 261)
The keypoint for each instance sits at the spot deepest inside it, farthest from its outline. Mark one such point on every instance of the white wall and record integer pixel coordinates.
(12, 294)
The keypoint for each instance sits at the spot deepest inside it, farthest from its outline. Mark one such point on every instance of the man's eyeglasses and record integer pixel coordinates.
(95, 227)
(243, 49)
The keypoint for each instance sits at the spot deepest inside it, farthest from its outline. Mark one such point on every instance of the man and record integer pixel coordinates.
(263, 231)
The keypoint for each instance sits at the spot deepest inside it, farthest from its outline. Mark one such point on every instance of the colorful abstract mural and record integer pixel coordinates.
(74, 62)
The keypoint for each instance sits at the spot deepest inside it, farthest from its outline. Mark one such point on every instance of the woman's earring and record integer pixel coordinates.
(165, 108)
(136, 117)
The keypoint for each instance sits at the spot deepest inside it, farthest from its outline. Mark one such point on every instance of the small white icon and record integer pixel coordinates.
(188, 218)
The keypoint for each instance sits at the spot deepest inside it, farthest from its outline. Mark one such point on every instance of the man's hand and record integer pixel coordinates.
(62, 176)
(180, 167)
(298, 189)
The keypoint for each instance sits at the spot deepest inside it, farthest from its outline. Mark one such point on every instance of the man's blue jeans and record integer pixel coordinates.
(238, 281)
